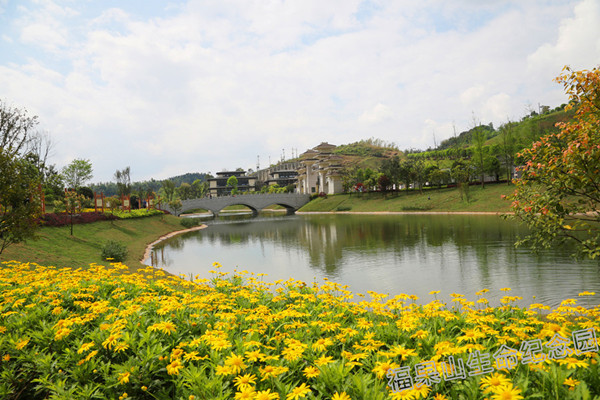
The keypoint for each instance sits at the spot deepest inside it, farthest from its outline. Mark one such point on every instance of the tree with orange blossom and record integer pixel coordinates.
(558, 194)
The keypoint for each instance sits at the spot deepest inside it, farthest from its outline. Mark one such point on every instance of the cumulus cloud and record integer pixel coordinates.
(577, 44)
(211, 84)
(377, 114)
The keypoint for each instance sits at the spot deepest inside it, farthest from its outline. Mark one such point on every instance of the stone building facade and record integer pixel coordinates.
(320, 171)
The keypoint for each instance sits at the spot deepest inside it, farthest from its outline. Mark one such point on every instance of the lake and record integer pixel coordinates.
(394, 254)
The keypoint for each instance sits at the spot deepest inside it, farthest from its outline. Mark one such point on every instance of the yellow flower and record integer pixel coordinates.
(110, 341)
(245, 394)
(85, 347)
(223, 370)
(381, 368)
(299, 391)
(420, 334)
(245, 381)
(507, 392)
(573, 363)
(62, 333)
(266, 395)
(164, 327)
(174, 367)
(323, 360)
(341, 396)
(571, 383)
(439, 397)
(235, 362)
(21, 343)
(311, 372)
(124, 377)
(493, 382)
(321, 344)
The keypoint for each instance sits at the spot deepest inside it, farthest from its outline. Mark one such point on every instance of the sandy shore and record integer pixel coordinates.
(164, 237)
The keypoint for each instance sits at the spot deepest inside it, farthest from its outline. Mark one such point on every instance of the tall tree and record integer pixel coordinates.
(77, 173)
(16, 129)
(19, 178)
(123, 178)
(168, 187)
(508, 146)
(559, 191)
(19, 205)
(479, 138)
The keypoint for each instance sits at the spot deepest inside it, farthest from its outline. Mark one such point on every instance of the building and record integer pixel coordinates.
(320, 171)
(282, 174)
(218, 186)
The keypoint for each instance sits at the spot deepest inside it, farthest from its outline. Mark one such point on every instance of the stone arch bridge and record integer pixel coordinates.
(256, 202)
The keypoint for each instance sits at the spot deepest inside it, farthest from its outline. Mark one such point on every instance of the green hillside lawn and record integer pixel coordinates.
(55, 246)
(444, 200)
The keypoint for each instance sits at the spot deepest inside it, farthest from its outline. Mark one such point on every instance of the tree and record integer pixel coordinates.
(232, 182)
(19, 206)
(73, 205)
(407, 173)
(19, 178)
(77, 173)
(461, 173)
(479, 138)
(168, 187)
(558, 193)
(390, 167)
(508, 148)
(123, 179)
(176, 206)
(185, 191)
(383, 182)
(16, 129)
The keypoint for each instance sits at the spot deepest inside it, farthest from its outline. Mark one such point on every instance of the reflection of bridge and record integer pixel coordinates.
(256, 202)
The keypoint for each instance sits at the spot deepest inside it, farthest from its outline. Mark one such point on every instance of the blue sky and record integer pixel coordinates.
(169, 87)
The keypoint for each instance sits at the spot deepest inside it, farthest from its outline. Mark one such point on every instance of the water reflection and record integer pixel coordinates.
(391, 254)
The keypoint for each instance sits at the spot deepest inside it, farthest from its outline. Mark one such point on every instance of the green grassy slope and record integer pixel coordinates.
(55, 246)
(444, 200)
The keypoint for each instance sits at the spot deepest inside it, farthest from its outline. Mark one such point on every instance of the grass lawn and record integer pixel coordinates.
(55, 246)
(432, 200)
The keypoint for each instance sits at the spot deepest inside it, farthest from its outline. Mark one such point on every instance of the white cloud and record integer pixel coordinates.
(376, 114)
(577, 44)
(217, 83)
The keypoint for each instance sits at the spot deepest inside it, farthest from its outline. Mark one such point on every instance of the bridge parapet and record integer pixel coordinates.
(256, 202)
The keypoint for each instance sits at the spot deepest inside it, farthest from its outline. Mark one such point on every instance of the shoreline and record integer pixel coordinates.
(405, 212)
(150, 246)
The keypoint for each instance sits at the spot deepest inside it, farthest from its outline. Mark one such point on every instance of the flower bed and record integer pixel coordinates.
(61, 219)
(87, 216)
(107, 334)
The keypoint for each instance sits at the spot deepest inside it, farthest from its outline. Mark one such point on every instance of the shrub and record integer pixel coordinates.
(61, 219)
(115, 251)
(343, 208)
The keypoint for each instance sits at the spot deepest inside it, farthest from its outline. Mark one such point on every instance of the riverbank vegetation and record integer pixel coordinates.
(558, 196)
(105, 333)
(56, 246)
(431, 200)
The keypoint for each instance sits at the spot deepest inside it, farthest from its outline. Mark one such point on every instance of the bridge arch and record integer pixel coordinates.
(256, 202)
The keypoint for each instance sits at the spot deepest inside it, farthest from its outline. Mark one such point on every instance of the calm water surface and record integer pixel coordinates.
(412, 254)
